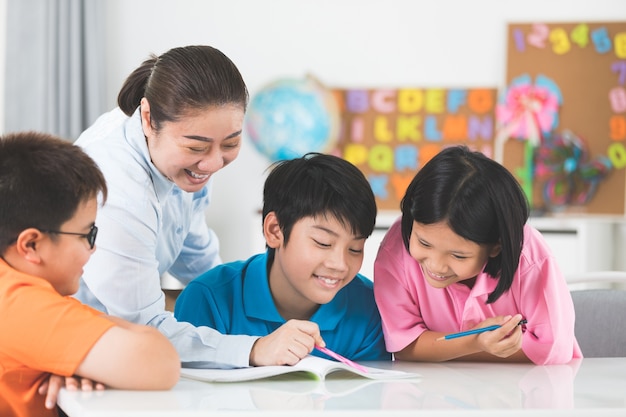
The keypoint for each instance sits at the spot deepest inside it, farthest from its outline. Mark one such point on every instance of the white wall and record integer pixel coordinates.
(345, 43)
(3, 8)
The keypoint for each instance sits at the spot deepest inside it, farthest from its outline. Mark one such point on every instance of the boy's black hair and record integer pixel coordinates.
(478, 198)
(318, 184)
(43, 180)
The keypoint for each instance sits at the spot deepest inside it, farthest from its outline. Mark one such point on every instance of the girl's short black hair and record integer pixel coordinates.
(478, 198)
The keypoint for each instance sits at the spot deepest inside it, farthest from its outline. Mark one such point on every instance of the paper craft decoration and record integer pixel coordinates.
(391, 133)
(568, 174)
(309, 367)
(529, 109)
(561, 120)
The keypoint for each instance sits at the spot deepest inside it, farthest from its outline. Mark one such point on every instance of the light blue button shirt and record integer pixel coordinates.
(147, 227)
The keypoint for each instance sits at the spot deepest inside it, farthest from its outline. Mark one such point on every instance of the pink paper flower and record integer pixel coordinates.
(529, 110)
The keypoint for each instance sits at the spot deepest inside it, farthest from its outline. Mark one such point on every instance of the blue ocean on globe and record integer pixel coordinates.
(291, 117)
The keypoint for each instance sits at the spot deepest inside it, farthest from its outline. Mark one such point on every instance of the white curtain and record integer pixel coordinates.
(54, 65)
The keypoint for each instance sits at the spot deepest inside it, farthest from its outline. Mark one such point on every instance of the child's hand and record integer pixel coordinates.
(287, 345)
(51, 387)
(502, 342)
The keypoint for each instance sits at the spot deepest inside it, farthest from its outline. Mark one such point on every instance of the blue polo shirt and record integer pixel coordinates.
(235, 298)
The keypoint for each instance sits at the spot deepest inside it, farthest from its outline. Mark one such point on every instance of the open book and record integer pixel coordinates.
(311, 366)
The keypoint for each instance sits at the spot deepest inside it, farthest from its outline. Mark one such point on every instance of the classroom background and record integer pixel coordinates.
(345, 44)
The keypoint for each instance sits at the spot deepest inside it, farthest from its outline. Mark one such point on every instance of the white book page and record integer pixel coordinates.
(311, 366)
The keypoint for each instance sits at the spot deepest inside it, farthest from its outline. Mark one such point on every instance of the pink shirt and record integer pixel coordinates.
(409, 305)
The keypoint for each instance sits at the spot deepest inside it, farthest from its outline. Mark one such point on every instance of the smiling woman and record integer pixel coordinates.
(189, 151)
(179, 121)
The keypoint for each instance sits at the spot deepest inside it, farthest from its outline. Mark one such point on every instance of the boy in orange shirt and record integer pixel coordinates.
(48, 202)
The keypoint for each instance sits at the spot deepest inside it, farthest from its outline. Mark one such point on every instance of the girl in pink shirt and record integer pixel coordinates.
(462, 257)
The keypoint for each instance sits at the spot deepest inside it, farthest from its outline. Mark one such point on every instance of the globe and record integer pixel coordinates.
(290, 117)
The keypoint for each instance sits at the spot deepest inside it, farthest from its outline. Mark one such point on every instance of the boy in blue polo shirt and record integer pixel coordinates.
(318, 210)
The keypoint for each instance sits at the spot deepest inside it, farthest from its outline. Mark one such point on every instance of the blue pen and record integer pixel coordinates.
(475, 331)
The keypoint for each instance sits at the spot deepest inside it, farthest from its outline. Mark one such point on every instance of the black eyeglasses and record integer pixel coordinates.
(91, 236)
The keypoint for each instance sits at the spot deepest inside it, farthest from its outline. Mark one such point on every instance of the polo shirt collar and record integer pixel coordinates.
(485, 284)
(258, 301)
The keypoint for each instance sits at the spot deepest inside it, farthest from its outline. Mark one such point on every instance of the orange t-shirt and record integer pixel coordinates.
(42, 332)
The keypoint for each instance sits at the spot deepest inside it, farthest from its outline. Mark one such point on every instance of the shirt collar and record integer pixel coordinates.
(137, 140)
(485, 284)
(258, 304)
(22, 277)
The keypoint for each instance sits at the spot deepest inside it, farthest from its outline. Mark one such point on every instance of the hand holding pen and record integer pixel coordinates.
(501, 340)
(286, 345)
(476, 331)
(499, 336)
(340, 358)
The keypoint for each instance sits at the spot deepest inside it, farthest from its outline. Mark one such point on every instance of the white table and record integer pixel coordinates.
(588, 387)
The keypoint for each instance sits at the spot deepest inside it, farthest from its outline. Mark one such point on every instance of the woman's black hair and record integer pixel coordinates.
(181, 80)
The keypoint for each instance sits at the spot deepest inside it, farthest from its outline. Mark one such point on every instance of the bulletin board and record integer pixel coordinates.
(391, 133)
(582, 66)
